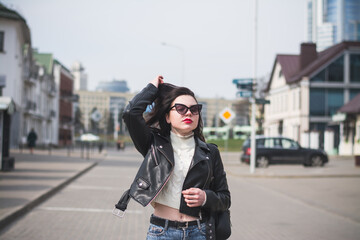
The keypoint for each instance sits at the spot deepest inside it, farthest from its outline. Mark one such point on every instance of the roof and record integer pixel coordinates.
(10, 14)
(352, 106)
(290, 64)
(62, 65)
(44, 59)
(13, 15)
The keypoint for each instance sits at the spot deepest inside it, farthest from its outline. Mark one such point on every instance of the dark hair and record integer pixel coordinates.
(167, 93)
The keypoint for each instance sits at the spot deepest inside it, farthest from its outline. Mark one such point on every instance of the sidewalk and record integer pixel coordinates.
(37, 177)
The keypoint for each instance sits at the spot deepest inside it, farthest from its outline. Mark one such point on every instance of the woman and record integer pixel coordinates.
(181, 176)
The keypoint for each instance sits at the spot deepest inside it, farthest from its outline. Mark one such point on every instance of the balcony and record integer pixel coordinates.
(51, 91)
(30, 106)
(52, 114)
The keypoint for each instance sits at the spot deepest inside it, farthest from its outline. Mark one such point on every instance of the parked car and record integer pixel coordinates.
(281, 150)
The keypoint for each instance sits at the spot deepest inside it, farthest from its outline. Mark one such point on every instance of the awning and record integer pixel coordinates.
(339, 117)
(6, 103)
(88, 137)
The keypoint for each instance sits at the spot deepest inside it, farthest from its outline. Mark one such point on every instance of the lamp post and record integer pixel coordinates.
(183, 60)
(253, 104)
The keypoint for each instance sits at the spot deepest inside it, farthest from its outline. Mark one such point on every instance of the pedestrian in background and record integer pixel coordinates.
(31, 140)
(182, 177)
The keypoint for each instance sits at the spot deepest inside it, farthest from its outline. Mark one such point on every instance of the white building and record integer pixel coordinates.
(80, 77)
(27, 82)
(15, 65)
(306, 90)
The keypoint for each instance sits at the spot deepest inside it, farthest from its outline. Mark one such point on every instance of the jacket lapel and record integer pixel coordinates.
(163, 144)
(201, 152)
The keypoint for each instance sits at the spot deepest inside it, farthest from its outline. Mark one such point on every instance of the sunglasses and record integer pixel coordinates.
(183, 109)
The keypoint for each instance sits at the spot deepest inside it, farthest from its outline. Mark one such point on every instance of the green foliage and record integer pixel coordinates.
(233, 145)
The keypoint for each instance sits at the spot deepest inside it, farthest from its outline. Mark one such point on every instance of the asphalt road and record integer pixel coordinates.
(269, 208)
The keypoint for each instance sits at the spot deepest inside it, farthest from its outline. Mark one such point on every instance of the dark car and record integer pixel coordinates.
(281, 150)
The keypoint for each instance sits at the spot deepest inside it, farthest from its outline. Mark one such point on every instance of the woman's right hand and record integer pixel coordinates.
(158, 80)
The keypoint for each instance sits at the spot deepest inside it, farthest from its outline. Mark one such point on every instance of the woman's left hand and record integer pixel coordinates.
(194, 197)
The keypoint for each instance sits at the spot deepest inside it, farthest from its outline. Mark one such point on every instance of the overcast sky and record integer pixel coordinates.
(122, 39)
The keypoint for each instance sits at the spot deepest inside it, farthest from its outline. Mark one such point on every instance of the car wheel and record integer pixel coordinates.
(262, 162)
(317, 161)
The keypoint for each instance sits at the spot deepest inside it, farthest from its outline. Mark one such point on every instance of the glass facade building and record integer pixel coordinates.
(113, 86)
(333, 21)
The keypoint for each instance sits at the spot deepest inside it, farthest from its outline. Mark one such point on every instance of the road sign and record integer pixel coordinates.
(96, 116)
(227, 115)
(242, 80)
(244, 94)
(261, 101)
(244, 83)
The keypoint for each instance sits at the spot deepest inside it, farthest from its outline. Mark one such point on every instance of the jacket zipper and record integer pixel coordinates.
(153, 152)
(167, 179)
(205, 181)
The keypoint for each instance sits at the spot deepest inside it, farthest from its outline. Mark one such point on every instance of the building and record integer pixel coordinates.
(332, 21)
(65, 80)
(39, 96)
(80, 77)
(306, 90)
(107, 104)
(111, 104)
(350, 127)
(60, 130)
(113, 86)
(17, 70)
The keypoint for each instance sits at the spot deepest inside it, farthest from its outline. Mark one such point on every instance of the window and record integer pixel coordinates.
(355, 68)
(353, 93)
(325, 102)
(317, 101)
(2, 35)
(336, 71)
(333, 73)
(269, 143)
(320, 77)
(288, 144)
(335, 99)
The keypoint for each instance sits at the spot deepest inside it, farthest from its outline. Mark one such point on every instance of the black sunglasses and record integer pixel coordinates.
(183, 109)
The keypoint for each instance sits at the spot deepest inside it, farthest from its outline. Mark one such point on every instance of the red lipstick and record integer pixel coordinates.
(187, 120)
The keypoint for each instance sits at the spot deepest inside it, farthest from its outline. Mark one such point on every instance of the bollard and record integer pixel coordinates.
(357, 160)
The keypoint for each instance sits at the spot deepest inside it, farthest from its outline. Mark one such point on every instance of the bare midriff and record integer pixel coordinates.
(170, 213)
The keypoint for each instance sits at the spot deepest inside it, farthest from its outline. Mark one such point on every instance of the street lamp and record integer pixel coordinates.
(183, 60)
(253, 105)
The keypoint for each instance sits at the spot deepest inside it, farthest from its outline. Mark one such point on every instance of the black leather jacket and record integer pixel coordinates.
(206, 169)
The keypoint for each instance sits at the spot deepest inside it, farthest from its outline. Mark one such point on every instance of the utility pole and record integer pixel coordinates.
(253, 104)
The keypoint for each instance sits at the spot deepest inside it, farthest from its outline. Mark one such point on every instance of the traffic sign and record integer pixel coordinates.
(227, 115)
(244, 83)
(261, 101)
(244, 94)
(96, 116)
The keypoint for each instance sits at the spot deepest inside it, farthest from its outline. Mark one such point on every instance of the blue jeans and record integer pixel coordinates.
(196, 232)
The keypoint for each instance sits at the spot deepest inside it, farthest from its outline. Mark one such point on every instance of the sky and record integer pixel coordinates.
(208, 43)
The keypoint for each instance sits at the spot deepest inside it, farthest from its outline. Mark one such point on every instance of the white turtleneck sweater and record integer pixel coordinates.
(184, 147)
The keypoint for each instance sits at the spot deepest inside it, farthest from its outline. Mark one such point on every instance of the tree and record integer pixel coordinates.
(79, 126)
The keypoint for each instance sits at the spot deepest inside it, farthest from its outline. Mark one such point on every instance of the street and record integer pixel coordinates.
(270, 208)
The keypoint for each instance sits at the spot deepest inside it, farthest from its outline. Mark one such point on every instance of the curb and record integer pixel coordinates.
(10, 218)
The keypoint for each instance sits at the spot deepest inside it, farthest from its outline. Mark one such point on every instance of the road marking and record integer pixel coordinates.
(92, 210)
